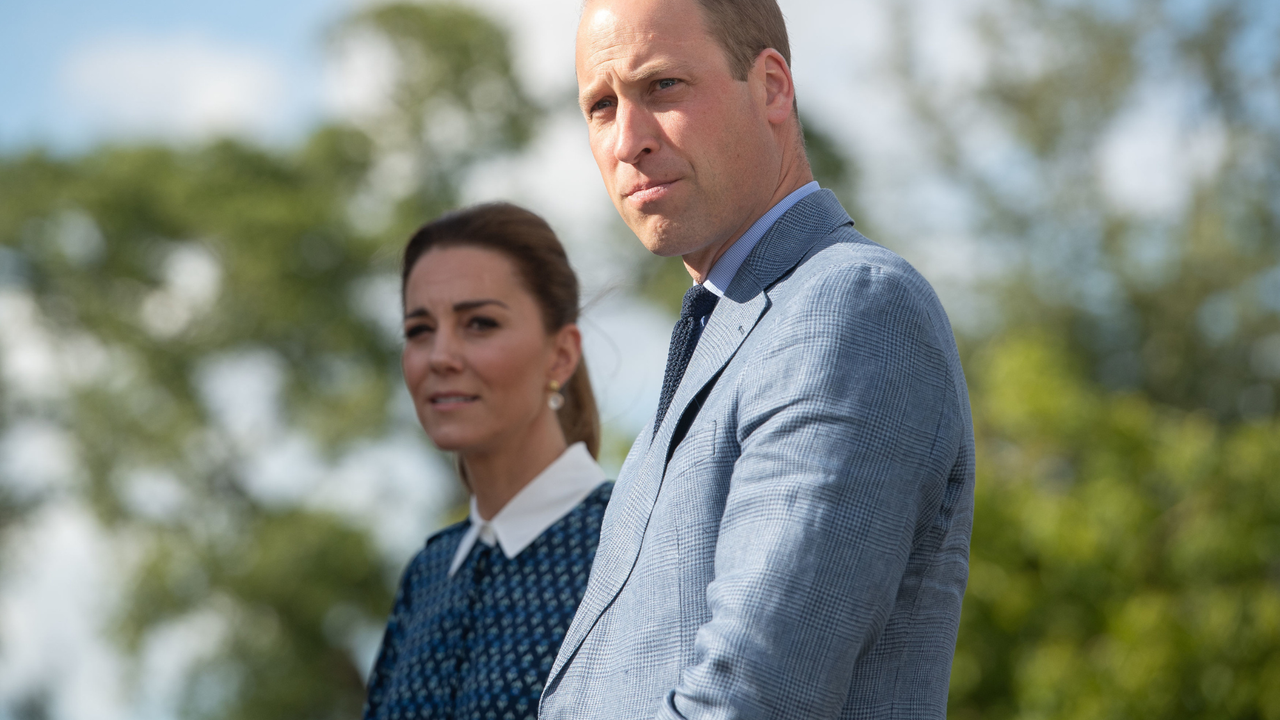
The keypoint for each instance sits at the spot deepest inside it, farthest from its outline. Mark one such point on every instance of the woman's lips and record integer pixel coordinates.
(449, 401)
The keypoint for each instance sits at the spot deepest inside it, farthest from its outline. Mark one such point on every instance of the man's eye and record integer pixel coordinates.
(602, 105)
(665, 83)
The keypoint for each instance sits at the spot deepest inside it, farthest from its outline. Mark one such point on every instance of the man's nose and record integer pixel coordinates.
(636, 133)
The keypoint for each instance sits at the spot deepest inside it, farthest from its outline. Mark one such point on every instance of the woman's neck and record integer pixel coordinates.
(497, 474)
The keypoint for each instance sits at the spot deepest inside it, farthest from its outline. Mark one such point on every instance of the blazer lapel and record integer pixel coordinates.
(736, 315)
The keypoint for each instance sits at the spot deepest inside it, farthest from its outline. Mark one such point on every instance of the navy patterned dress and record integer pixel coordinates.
(481, 644)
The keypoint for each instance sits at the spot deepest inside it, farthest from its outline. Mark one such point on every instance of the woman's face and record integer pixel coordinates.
(477, 359)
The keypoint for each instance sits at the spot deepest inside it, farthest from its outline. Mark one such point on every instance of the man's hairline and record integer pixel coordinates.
(706, 27)
(728, 58)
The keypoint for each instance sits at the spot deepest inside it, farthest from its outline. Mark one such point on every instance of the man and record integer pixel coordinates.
(790, 537)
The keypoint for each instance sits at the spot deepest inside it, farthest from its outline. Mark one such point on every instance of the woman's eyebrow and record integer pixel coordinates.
(463, 306)
(466, 305)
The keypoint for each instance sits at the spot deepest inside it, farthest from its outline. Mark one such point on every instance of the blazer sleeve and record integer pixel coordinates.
(847, 434)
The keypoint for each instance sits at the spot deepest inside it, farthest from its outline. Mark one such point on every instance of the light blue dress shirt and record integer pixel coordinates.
(727, 266)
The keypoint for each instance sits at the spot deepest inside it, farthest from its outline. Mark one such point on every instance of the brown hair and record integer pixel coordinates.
(540, 261)
(744, 29)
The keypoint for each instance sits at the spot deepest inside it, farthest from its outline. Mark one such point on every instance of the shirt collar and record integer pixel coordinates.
(727, 266)
(548, 497)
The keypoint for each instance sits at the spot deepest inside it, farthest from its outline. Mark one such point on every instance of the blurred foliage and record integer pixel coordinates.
(1126, 547)
(1126, 555)
(150, 268)
(1126, 550)
(1165, 272)
(293, 589)
(454, 100)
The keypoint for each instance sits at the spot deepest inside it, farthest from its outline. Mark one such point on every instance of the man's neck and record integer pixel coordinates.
(700, 262)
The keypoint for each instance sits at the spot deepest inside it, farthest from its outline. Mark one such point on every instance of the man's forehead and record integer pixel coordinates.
(625, 36)
(628, 22)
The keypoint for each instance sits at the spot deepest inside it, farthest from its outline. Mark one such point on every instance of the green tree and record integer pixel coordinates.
(1174, 292)
(1124, 552)
(1123, 557)
(150, 265)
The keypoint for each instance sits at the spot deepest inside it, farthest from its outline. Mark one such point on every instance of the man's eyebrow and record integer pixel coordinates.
(644, 74)
(659, 68)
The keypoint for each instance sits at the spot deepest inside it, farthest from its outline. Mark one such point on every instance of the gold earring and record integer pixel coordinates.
(556, 401)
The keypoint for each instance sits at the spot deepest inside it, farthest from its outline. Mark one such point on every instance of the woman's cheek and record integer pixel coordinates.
(412, 366)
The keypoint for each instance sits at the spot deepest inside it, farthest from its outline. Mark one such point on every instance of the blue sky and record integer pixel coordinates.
(39, 39)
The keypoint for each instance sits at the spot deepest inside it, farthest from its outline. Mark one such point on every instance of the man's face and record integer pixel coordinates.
(684, 149)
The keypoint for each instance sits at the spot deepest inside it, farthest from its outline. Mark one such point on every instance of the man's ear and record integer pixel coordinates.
(779, 90)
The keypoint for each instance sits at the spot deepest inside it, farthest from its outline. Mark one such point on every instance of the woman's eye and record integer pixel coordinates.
(415, 330)
(482, 323)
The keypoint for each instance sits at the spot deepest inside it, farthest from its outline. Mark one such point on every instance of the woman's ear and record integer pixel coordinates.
(566, 353)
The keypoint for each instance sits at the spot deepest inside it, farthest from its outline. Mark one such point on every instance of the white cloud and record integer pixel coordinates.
(1154, 154)
(192, 281)
(60, 588)
(28, 351)
(285, 472)
(542, 37)
(178, 86)
(168, 656)
(242, 392)
(395, 487)
(360, 76)
(37, 457)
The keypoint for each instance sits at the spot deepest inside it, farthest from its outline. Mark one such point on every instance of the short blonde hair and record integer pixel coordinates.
(745, 28)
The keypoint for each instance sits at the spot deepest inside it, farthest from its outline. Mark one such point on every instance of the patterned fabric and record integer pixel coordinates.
(698, 303)
(803, 552)
(480, 644)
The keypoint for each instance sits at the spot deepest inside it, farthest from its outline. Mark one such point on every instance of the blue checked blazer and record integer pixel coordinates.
(803, 550)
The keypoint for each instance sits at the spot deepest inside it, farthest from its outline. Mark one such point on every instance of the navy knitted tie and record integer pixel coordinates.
(698, 304)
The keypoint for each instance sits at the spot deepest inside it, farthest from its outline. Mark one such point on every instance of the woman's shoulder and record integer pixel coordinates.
(595, 502)
(588, 514)
(601, 494)
(437, 552)
(449, 535)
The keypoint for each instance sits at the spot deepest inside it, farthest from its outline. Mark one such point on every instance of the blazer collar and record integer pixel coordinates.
(745, 301)
(787, 242)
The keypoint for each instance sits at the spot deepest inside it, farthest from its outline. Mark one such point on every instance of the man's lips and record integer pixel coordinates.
(648, 191)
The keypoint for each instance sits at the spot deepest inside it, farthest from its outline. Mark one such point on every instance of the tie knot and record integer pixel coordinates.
(698, 302)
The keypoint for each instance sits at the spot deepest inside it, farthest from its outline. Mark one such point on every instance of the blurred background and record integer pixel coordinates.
(210, 476)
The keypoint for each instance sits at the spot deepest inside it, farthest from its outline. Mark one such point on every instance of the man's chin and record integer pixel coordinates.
(663, 237)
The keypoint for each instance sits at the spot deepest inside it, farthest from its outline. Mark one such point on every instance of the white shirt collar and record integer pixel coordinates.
(727, 266)
(548, 497)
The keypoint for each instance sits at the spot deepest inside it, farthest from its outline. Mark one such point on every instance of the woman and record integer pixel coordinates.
(493, 360)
